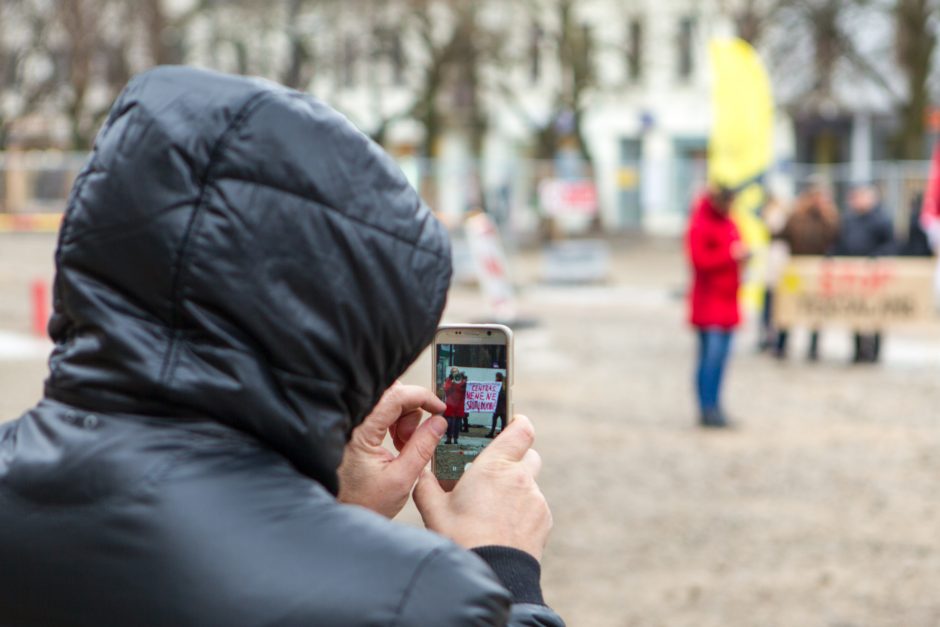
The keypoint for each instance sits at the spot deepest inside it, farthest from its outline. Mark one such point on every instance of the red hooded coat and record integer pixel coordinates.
(716, 275)
(454, 395)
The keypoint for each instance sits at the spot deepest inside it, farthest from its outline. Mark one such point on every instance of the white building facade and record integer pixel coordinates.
(646, 116)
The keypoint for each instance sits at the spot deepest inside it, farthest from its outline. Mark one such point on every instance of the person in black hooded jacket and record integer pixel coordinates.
(866, 231)
(241, 277)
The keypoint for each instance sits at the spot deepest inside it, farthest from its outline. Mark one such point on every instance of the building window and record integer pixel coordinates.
(635, 49)
(535, 52)
(685, 43)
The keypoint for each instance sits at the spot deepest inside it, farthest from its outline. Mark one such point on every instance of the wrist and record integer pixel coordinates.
(518, 571)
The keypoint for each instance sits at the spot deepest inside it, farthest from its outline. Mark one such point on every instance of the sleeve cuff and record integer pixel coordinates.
(518, 571)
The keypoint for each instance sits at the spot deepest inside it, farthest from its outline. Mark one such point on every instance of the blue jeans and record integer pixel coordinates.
(713, 348)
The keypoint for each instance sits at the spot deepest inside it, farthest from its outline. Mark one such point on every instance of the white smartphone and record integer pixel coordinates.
(472, 372)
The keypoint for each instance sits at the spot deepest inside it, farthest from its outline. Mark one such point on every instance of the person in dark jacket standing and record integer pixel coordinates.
(500, 413)
(917, 243)
(866, 232)
(241, 277)
(812, 229)
(716, 254)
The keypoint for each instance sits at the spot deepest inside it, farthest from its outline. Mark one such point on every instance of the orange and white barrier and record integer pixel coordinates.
(30, 222)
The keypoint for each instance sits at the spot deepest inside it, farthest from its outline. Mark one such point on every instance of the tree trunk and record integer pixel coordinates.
(916, 42)
(81, 32)
(299, 55)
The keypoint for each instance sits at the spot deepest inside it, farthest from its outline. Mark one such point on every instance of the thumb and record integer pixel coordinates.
(513, 442)
(420, 447)
(429, 497)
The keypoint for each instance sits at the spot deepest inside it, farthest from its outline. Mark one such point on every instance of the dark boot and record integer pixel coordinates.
(876, 348)
(858, 356)
(712, 419)
(813, 354)
(780, 349)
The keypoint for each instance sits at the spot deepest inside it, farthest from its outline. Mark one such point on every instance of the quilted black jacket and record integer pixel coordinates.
(240, 274)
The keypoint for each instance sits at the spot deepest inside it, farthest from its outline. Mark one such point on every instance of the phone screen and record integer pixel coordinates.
(472, 378)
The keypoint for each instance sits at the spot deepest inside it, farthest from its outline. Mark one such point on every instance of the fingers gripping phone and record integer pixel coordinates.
(472, 373)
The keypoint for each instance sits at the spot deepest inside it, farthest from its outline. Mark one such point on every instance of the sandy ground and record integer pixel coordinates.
(821, 509)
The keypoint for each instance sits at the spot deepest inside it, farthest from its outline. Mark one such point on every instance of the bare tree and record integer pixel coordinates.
(297, 72)
(574, 46)
(451, 49)
(427, 102)
(915, 43)
(93, 51)
(812, 42)
(23, 81)
(752, 18)
(555, 27)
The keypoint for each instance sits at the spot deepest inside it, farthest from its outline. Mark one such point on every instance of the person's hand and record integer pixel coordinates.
(740, 252)
(373, 476)
(497, 501)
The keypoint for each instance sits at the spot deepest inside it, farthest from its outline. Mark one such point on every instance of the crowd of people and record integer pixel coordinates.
(812, 226)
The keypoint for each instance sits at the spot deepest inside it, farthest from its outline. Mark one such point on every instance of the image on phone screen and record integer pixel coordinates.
(472, 380)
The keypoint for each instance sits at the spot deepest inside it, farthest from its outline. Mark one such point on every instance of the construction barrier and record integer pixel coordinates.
(30, 222)
(39, 299)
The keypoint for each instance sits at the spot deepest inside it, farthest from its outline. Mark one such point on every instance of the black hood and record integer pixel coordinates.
(238, 251)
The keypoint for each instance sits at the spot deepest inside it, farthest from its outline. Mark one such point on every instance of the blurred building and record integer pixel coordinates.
(646, 114)
(480, 100)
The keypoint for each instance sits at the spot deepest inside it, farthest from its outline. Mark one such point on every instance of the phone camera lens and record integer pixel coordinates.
(489, 333)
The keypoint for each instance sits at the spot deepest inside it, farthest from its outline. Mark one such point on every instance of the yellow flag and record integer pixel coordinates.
(739, 150)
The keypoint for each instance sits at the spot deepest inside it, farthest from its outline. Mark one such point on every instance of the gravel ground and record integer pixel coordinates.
(820, 509)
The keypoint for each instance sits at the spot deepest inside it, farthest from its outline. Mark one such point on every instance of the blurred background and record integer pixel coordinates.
(582, 130)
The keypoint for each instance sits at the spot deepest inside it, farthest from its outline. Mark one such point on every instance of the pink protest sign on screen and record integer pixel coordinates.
(481, 396)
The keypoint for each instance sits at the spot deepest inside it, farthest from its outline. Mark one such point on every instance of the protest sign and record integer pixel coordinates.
(481, 396)
(859, 292)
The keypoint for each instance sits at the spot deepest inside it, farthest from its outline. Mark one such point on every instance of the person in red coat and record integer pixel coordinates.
(455, 392)
(716, 254)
